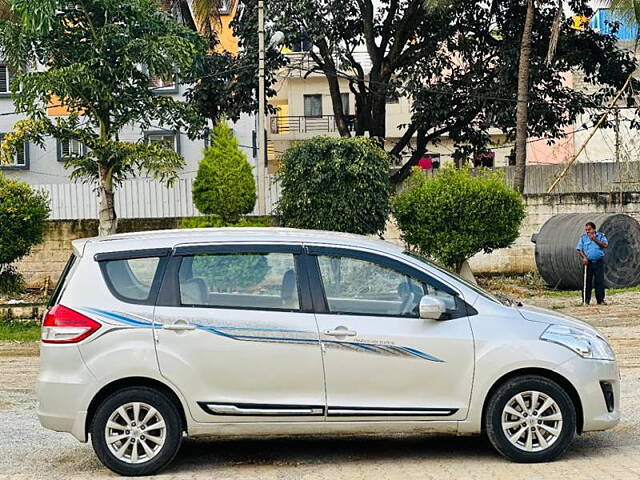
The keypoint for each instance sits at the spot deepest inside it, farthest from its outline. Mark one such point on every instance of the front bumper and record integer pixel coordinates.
(587, 377)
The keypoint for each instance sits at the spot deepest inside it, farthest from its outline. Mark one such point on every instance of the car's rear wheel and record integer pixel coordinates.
(530, 419)
(136, 431)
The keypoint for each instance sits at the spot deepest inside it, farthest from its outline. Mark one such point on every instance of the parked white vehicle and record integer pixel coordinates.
(150, 336)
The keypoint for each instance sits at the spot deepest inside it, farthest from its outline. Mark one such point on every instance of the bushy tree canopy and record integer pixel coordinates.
(99, 57)
(224, 186)
(336, 184)
(458, 213)
(23, 213)
(456, 61)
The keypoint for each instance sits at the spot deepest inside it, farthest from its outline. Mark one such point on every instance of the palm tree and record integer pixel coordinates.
(627, 9)
(200, 15)
(522, 106)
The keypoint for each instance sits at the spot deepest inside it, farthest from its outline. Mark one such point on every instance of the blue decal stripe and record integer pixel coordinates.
(357, 346)
(420, 354)
(264, 329)
(120, 318)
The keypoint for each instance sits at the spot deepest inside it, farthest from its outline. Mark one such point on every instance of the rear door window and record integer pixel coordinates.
(240, 280)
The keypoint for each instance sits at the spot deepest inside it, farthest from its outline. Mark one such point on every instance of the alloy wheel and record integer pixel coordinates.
(532, 421)
(135, 432)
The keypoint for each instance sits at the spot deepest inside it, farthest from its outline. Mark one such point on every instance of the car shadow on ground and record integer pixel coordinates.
(300, 451)
(305, 451)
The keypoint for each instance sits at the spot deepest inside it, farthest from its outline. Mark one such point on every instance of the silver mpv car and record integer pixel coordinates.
(151, 336)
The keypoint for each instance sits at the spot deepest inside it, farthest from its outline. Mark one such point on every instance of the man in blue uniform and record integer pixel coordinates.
(591, 249)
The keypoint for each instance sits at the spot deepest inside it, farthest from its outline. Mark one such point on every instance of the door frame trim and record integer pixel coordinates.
(261, 409)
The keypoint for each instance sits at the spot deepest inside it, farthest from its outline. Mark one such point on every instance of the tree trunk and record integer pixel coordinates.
(523, 100)
(108, 223)
(378, 125)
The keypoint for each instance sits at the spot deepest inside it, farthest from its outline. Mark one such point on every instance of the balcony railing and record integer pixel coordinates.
(322, 124)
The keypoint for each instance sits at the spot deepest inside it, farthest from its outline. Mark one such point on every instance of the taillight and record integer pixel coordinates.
(63, 325)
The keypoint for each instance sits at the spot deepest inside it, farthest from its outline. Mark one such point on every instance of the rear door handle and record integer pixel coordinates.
(179, 327)
(341, 332)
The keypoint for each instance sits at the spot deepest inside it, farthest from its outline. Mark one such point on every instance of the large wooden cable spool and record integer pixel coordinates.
(559, 264)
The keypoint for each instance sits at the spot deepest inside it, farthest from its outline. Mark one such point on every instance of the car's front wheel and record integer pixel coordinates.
(530, 419)
(136, 431)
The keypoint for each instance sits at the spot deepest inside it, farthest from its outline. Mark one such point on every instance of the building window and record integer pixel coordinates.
(20, 158)
(167, 83)
(6, 77)
(313, 105)
(68, 148)
(391, 96)
(345, 103)
(225, 7)
(163, 83)
(484, 159)
(301, 46)
(169, 139)
(430, 161)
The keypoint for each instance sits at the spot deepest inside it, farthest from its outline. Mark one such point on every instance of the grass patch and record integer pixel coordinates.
(531, 285)
(578, 293)
(19, 331)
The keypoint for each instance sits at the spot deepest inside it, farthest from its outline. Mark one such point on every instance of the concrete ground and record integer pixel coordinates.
(28, 451)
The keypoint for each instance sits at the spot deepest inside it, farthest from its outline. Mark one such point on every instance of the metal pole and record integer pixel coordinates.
(621, 187)
(262, 148)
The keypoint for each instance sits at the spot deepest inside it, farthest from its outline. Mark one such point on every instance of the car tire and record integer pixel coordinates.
(530, 419)
(141, 447)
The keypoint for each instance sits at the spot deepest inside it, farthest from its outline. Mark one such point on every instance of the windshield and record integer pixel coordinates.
(466, 283)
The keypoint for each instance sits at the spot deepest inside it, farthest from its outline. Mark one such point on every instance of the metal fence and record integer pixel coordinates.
(582, 177)
(150, 199)
(134, 199)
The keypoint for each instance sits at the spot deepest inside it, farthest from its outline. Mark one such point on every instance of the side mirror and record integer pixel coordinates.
(431, 308)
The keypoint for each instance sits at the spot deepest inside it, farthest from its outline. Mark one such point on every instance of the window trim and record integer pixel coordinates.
(59, 150)
(160, 253)
(6, 94)
(322, 305)
(16, 166)
(225, 7)
(162, 90)
(304, 104)
(169, 292)
(175, 133)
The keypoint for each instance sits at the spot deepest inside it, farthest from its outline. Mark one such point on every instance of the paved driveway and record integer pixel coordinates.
(28, 451)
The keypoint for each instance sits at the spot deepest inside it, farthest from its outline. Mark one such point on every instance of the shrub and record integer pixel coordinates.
(216, 222)
(224, 186)
(337, 184)
(456, 214)
(23, 213)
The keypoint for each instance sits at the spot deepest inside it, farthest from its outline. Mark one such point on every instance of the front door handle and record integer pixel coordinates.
(179, 327)
(341, 332)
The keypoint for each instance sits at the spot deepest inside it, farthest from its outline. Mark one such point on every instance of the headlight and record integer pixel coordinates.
(585, 344)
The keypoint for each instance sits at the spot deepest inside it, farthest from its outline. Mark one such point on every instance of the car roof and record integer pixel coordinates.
(172, 238)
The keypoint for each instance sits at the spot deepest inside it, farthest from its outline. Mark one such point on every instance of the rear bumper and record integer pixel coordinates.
(61, 391)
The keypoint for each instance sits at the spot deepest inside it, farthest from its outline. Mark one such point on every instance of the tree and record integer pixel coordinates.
(99, 56)
(23, 212)
(456, 214)
(628, 9)
(522, 107)
(456, 61)
(336, 184)
(224, 186)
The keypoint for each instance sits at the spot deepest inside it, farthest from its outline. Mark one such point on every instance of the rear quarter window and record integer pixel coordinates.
(65, 276)
(134, 280)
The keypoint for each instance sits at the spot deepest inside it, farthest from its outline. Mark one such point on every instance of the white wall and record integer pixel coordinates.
(44, 167)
